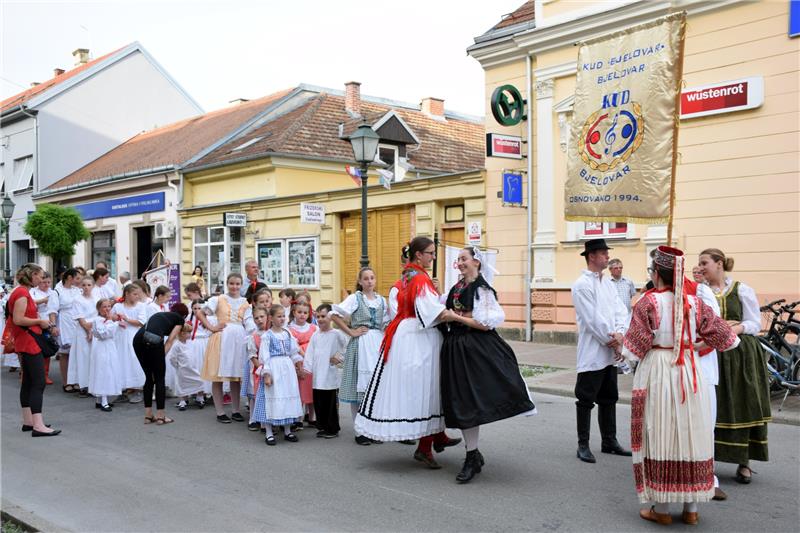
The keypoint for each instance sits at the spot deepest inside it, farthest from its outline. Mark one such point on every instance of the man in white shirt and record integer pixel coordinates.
(625, 287)
(602, 320)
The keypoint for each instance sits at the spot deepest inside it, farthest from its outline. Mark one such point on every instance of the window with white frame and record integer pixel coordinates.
(23, 173)
(218, 251)
(592, 230)
(389, 154)
(289, 262)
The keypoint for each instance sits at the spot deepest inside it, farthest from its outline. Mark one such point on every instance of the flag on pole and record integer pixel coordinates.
(386, 177)
(355, 174)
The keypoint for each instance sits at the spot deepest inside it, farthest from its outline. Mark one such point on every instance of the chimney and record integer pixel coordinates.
(81, 56)
(433, 107)
(352, 98)
(57, 72)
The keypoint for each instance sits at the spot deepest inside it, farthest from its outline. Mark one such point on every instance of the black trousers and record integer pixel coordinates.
(326, 407)
(597, 387)
(154, 363)
(31, 391)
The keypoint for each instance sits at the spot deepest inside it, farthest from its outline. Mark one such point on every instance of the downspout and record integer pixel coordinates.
(528, 274)
(179, 202)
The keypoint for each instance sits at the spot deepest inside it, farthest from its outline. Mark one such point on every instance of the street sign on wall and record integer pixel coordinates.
(512, 188)
(234, 220)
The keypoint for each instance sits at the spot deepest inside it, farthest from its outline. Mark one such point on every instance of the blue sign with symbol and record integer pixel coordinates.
(144, 203)
(512, 188)
(794, 18)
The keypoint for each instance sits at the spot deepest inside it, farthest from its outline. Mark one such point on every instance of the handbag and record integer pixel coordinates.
(47, 344)
(151, 339)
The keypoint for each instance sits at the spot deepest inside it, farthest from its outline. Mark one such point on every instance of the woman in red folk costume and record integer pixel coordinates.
(671, 439)
(402, 400)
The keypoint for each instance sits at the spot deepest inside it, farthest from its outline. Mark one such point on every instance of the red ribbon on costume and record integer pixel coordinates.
(194, 328)
(411, 284)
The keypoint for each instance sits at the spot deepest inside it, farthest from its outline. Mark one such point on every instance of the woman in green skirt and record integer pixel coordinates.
(743, 402)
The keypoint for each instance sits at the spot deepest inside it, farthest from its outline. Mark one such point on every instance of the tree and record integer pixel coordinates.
(56, 230)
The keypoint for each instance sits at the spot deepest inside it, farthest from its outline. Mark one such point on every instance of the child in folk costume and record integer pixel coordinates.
(302, 330)
(249, 379)
(198, 343)
(80, 351)
(671, 440)
(67, 324)
(323, 355)
(279, 365)
(362, 315)
(187, 375)
(161, 300)
(46, 300)
(104, 378)
(286, 298)
(131, 312)
(226, 349)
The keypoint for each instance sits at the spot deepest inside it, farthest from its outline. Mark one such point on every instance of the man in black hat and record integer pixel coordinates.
(602, 320)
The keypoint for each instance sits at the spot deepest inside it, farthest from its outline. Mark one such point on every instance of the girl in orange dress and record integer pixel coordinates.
(302, 330)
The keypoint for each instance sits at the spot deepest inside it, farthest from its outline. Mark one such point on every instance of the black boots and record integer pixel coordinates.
(472, 465)
(607, 419)
(584, 417)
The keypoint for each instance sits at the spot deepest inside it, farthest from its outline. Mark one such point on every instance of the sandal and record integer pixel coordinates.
(160, 421)
(149, 419)
(741, 478)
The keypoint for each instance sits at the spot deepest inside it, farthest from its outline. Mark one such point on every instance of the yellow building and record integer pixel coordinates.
(244, 198)
(737, 185)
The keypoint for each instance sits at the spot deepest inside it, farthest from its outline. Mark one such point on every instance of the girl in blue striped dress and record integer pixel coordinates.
(279, 365)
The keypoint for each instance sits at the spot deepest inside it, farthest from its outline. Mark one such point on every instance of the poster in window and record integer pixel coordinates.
(303, 262)
(270, 261)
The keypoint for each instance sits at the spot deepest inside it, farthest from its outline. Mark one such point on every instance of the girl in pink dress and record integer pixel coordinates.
(302, 330)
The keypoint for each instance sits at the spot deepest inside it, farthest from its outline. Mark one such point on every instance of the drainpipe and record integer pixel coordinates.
(528, 249)
(178, 203)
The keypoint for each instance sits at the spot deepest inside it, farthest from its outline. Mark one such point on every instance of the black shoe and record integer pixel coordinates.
(472, 466)
(200, 405)
(83, 393)
(439, 448)
(53, 433)
(291, 437)
(253, 426)
(585, 454)
(426, 459)
(409, 442)
(30, 428)
(224, 419)
(614, 448)
(373, 441)
(237, 417)
(327, 435)
(106, 408)
(270, 441)
(297, 426)
(361, 440)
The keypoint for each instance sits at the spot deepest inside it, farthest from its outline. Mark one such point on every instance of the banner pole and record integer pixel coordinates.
(676, 129)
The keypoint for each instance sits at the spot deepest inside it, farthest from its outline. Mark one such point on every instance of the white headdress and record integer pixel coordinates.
(480, 257)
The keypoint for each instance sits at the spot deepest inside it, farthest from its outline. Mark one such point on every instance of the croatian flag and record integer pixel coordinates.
(355, 174)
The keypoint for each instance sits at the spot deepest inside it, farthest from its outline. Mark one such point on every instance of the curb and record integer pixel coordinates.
(13, 513)
(777, 418)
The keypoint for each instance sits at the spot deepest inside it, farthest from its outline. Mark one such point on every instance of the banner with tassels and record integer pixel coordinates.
(622, 149)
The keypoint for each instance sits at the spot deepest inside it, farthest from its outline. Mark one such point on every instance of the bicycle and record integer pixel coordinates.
(789, 380)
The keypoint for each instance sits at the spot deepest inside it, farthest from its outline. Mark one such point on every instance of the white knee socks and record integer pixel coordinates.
(471, 437)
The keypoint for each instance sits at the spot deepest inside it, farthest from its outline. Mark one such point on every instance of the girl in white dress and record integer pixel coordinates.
(226, 349)
(104, 287)
(79, 352)
(67, 324)
(279, 364)
(104, 375)
(187, 376)
(250, 382)
(198, 344)
(46, 301)
(132, 313)
(362, 315)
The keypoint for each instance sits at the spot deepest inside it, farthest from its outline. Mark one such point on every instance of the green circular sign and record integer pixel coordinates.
(508, 107)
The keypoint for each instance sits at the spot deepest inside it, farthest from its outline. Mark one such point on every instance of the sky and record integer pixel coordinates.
(222, 50)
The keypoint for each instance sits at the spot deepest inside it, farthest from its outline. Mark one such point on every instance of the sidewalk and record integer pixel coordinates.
(562, 381)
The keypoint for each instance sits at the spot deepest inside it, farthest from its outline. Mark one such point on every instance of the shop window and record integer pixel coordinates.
(104, 249)
(292, 262)
(218, 251)
(592, 230)
(23, 174)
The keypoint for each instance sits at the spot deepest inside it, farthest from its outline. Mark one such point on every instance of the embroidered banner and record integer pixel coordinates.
(621, 150)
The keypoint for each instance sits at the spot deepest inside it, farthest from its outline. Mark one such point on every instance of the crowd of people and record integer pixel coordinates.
(416, 362)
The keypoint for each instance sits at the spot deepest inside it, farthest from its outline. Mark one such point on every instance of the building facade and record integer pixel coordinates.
(58, 126)
(737, 185)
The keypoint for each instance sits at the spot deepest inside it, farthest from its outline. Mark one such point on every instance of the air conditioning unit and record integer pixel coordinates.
(165, 230)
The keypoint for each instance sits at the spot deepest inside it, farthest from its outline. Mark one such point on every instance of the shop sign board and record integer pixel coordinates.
(723, 97)
(508, 146)
(130, 205)
(312, 213)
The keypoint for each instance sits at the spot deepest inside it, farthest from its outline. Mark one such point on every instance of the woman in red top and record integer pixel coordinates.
(23, 317)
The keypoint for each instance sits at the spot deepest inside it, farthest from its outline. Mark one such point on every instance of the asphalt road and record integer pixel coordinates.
(109, 472)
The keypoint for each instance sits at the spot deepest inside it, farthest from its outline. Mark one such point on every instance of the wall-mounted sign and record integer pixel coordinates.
(507, 146)
(794, 18)
(512, 188)
(474, 233)
(508, 106)
(724, 97)
(312, 213)
(234, 220)
(131, 205)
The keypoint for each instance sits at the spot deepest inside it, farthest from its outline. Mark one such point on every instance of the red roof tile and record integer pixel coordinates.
(24, 96)
(523, 13)
(173, 144)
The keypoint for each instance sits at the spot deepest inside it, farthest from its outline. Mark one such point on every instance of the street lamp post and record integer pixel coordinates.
(365, 146)
(7, 208)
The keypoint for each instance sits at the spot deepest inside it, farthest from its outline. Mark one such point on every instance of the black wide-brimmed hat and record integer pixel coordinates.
(594, 245)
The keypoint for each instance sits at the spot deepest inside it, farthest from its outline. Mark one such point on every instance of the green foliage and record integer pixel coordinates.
(56, 230)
